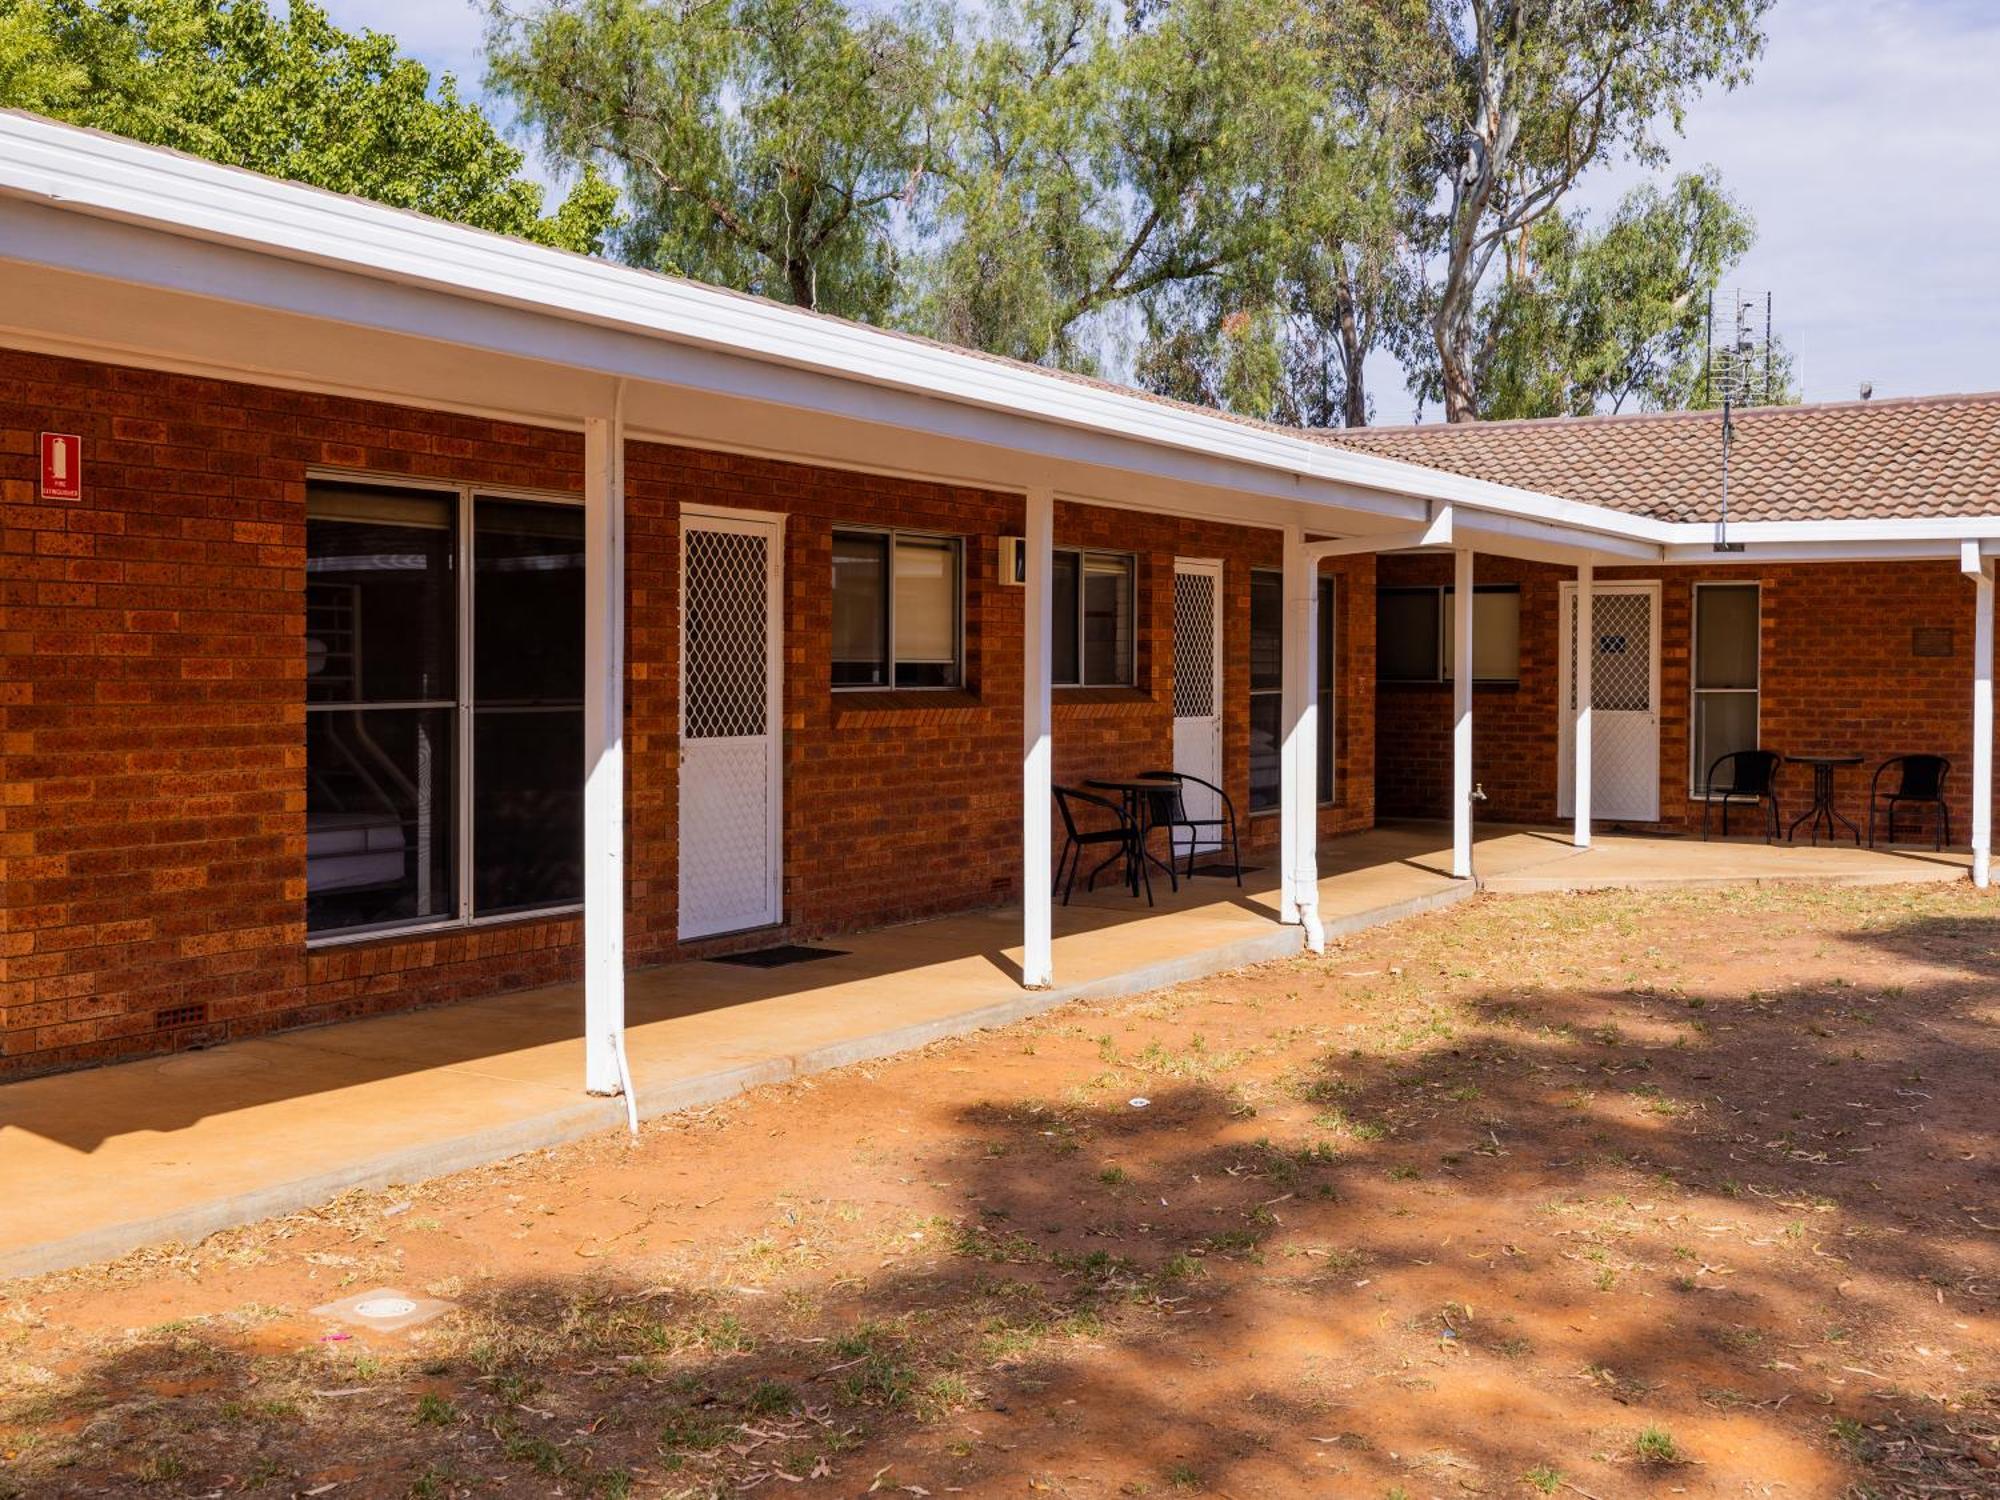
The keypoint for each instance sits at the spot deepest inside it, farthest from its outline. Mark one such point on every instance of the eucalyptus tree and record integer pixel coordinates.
(1088, 163)
(764, 145)
(1602, 317)
(1543, 91)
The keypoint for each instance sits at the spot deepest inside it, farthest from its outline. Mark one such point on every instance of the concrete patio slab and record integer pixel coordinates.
(95, 1163)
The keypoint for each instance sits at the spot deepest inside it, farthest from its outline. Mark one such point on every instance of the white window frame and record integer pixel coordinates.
(1695, 690)
(1131, 561)
(893, 534)
(463, 713)
(1444, 592)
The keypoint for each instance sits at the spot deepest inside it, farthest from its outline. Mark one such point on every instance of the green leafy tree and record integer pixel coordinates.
(764, 144)
(1089, 165)
(1594, 319)
(1545, 90)
(293, 96)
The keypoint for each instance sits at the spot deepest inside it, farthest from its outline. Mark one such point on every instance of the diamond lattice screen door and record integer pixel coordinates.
(1198, 685)
(1624, 701)
(731, 786)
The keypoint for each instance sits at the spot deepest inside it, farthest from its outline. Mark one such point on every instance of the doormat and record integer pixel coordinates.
(778, 957)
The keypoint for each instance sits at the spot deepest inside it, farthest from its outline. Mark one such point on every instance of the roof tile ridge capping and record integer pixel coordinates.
(1635, 418)
(666, 278)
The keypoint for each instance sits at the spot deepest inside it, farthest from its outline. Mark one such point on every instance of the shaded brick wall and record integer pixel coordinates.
(1839, 673)
(152, 790)
(152, 673)
(1514, 757)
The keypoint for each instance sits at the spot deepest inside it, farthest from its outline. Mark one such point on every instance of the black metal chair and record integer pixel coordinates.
(1122, 838)
(1920, 782)
(1753, 777)
(1169, 811)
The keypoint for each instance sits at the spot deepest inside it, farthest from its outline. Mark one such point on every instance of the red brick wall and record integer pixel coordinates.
(1514, 757)
(152, 835)
(152, 704)
(1838, 674)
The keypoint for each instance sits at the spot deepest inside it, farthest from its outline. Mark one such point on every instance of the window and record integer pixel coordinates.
(1414, 642)
(1725, 674)
(1267, 684)
(444, 706)
(1091, 611)
(896, 610)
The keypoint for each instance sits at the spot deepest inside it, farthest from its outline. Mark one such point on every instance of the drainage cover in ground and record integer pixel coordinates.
(778, 957)
(383, 1310)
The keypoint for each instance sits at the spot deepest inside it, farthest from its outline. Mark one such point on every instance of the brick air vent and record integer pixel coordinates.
(180, 1015)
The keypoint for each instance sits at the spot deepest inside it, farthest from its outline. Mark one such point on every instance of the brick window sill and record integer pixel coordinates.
(888, 707)
(1096, 703)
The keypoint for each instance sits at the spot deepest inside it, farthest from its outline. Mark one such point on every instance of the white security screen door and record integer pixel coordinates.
(1624, 700)
(1198, 685)
(731, 778)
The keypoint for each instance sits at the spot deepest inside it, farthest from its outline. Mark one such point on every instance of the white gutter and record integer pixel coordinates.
(83, 171)
(86, 172)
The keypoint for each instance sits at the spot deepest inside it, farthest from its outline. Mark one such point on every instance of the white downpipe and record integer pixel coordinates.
(1585, 646)
(625, 1082)
(1037, 744)
(1299, 809)
(1982, 717)
(1461, 729)
(604, 752)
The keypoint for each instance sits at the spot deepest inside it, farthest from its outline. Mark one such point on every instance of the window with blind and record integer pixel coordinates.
(897, 610)
(1414, 638)
(1091, 614)
(1726, 674)
(1267, 685)
(444, 706)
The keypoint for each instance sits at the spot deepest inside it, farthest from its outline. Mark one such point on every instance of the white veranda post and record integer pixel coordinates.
(604, 752)
(1299, 762)
(1461, 729)
(1583, 646)
(1037, 750)
(1981, 571)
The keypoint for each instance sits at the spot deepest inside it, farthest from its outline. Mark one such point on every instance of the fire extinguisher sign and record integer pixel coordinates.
(62, 466)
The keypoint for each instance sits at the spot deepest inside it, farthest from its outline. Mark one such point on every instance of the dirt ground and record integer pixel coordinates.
(1616, 1195)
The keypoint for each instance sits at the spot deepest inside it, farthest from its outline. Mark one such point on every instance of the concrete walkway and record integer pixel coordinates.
(94, 1163)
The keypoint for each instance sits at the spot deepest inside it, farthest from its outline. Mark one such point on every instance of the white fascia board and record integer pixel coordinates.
(1521, 536)
(83, 172)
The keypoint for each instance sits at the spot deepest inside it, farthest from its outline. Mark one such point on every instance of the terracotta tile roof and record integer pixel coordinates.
(1850, 460)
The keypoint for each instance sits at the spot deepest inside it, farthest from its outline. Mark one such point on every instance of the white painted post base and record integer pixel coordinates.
(1981, 571)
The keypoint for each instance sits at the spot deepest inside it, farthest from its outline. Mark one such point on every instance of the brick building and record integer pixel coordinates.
(394, 613)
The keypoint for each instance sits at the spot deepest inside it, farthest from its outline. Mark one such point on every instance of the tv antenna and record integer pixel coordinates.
(1742, 371)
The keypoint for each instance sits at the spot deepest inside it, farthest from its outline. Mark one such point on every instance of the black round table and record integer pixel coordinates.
(1138, 792)
(1822, 809)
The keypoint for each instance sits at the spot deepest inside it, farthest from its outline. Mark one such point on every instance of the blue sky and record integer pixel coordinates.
(1866, 146)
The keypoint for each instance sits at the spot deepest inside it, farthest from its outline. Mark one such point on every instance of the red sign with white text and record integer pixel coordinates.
(62, 466)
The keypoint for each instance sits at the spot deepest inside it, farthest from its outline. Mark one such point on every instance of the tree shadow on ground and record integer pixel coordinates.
(1612, 1239)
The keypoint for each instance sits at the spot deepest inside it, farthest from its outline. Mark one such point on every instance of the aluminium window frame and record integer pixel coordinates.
(1326, 691)
(892, 534)
(466, 495)
(1131, 561)
(1444, 591)
(1695, 772)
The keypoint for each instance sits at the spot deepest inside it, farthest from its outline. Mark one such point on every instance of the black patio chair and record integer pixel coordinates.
(1169, 811)
(1920, 783)
(1122, 838)
(1753, 777)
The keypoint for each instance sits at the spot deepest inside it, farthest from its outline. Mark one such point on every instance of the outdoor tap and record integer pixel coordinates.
(1478, 793)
